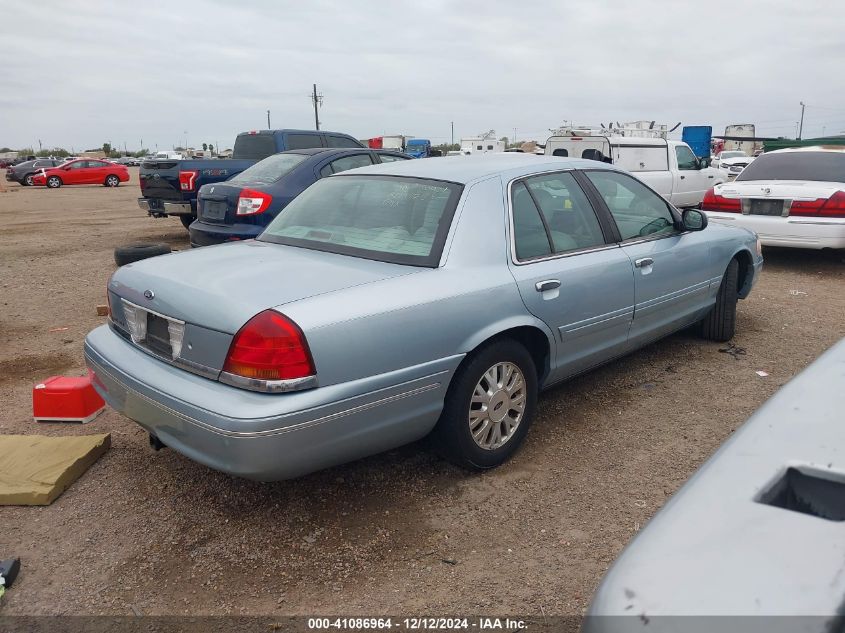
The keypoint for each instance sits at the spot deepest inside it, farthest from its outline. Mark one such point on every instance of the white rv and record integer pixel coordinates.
(669, 167)
(478, 145)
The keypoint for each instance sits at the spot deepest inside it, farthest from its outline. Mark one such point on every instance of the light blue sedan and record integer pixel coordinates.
(397, 300)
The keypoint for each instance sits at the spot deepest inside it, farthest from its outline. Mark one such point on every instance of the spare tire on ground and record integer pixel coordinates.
(137, 251)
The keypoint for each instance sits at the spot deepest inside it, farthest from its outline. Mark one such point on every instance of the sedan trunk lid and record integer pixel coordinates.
(222, 287)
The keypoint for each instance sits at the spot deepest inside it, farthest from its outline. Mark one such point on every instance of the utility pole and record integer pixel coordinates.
(317, 99)
(268, 119)
(453, 133)
(801, 125)
(39, 145)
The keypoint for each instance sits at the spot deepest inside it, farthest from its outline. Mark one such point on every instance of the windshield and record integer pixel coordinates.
(816, 166)
(391, 219)
(733, 154)
(268, 170)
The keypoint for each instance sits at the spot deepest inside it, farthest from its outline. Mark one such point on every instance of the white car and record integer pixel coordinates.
(725, 154)
(789, 197)
(733, 166)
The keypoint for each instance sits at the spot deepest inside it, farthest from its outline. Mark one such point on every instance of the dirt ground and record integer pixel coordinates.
(399, 533)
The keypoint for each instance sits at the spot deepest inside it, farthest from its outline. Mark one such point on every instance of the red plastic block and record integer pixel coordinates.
(66, 399)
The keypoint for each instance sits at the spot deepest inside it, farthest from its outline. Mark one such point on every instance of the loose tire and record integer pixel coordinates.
(54, 182)
(720, 322)
(186, 220)
(112, 181)
(137, 251)
(28, 180)
(489, 406)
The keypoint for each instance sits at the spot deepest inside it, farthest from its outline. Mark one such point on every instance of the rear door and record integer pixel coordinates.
(569, 270)
(670, 266)
(97, 171)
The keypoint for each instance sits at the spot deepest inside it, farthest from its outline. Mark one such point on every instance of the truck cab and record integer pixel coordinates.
(418, 148)
(169, 185)
(669, 167)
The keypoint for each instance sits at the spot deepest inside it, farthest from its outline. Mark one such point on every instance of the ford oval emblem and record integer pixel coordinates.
(156, 177)
(149, 294)
(767, 190)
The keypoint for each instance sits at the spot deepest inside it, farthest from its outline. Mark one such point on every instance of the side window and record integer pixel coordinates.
(350, 162)
(568, 215)
(97, 163)
(303, 141)
(326, 171)
(637, 210)
(686, 159)
(479, 148)
(529, 233)
(489, 147)
(560, 152)
(389, 158)
(340, 141)
(80, 164)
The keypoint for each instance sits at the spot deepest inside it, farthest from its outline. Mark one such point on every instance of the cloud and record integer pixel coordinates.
(86, 72)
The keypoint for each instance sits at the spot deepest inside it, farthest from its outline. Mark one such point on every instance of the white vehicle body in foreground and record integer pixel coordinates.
(789, 197)
(669, 167)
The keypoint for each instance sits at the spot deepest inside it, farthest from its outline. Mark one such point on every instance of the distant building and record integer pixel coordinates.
(94, 153)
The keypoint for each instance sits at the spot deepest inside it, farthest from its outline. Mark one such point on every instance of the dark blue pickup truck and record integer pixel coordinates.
(169, 187)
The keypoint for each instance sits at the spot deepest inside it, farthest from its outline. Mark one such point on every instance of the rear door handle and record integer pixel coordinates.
(682, 177)
(642, 263)
(709, 176)
(548, 284)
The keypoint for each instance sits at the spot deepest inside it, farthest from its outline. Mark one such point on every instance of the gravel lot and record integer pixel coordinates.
(400, 533)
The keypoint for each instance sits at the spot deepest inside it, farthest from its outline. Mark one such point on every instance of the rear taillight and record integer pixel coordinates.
(806, 207)
(714, 202)
(187, 179)
(251, 202)
(269, 348)
(835, 206)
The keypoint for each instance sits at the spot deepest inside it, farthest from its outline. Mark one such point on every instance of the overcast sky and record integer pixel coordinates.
(76, 74)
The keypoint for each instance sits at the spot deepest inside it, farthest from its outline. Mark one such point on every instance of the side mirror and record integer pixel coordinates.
(704, 162)
(693, 220)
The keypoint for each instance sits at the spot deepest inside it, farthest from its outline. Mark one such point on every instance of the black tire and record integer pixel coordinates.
(452, 436)
(112, 181)
(27, 180)
(186, 220)
(720, 322)
(137, 251)
(54, 182)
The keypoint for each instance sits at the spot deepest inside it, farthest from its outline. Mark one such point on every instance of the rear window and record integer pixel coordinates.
(303, 141)
(818, 166)
(254, 146)
(391, 219)
(342, 141)
(268, 170)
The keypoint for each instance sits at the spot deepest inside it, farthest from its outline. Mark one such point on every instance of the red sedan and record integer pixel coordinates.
(83, 172)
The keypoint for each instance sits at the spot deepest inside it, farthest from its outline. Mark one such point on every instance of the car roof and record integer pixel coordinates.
(811, 148)
(467, 169)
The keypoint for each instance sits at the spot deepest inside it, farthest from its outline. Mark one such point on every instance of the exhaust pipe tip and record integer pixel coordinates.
(156, 444)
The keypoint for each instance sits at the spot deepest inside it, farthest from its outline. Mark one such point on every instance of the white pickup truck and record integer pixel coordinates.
(669, 167)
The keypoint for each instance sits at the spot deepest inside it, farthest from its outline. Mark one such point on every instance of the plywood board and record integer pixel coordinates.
(35, 469)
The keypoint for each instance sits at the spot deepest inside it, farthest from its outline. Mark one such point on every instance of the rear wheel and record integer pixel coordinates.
(29, 180)
(54, 182)
(186, 220)
(489, 406)
(112, 181)
(720, 322)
